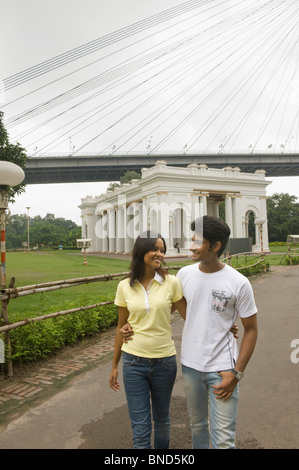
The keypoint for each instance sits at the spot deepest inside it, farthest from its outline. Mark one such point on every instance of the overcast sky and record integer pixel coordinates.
(35, 31)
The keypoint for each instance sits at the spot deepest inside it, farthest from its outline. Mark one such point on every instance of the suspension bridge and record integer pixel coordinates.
(93, 168)
(201, 74)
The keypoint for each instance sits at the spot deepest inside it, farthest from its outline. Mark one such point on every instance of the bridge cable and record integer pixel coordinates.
(111, 38)
(196, 109)
(114, 72)
(182, 57)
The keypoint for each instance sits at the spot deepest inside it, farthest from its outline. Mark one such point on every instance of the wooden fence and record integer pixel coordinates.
(11, 293)
(6, 294)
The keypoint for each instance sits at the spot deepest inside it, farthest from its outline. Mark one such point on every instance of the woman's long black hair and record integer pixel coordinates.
(144, 243)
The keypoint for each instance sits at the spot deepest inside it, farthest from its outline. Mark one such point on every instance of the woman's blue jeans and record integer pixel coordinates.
(149, 382)
(202, 405)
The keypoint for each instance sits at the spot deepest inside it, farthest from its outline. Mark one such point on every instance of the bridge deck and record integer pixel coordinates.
(77, 169)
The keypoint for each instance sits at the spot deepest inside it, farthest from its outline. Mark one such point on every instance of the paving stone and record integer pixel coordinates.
(20, 388)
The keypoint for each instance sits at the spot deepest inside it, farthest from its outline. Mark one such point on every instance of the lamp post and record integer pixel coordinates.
(259, 221)
(10, 175)
(84, 243)
(28, 219)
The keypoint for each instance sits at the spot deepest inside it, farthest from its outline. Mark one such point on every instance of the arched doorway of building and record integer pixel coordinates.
(178, 218)
(250, 226)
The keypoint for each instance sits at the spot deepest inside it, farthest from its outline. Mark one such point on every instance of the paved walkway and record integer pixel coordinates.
(65, 402)
(34, 382)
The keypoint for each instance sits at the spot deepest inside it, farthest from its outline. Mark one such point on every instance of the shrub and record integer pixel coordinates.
(295, 260)
(39, 339)
(277, 244)
(250, 270)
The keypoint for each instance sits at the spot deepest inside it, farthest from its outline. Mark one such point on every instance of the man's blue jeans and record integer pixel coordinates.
(149, 381)
(202, 404)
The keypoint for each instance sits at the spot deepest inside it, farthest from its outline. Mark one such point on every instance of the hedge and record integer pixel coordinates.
(39, 339)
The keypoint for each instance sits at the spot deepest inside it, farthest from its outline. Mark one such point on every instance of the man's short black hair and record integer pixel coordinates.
(212, 229)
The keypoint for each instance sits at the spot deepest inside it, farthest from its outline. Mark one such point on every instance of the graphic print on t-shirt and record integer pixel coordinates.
(220, 299)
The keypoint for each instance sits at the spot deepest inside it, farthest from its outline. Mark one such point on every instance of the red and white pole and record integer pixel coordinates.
(3, 259)
(3, 206)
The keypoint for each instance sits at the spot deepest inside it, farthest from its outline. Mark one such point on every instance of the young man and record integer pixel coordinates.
(216, 295)
(212, 367)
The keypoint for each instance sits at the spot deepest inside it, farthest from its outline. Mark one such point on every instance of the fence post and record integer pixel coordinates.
(7, 338)
(4, 314)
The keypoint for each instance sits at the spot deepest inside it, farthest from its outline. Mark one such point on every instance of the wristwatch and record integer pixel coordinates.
(238, 375)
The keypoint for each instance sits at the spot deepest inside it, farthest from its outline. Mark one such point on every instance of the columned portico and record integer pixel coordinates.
(167, 199)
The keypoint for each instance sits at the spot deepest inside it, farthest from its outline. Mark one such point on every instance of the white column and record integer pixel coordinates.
(265, 225)
(237, 216)
(98, 238)
(163, 215)
(196, 206)
(145, 214)
(244, 226)
(203, 200)
(135, 223)
(99, 231)
(170, 233)
(142, 217)
(216, 209)
(257, 238)
(105, 232)
(186, 229)
(118, 231)
(111, 230)
(89, 219)
(126, 220)
(229, 214)
(152, 220)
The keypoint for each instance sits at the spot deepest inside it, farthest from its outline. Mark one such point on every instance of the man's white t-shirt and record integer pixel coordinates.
(214, 301)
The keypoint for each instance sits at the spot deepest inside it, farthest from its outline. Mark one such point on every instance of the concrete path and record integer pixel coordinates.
(66, 402)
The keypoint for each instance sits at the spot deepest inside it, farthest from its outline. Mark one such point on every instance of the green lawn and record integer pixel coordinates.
(38, 267)
(34, 268)
(39, 339)
(273, 258)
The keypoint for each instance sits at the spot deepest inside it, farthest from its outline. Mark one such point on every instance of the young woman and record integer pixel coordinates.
(145, 300)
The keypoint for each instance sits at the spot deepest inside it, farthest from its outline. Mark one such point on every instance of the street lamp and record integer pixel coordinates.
(84, 243)
(28, 243)
(10, 175)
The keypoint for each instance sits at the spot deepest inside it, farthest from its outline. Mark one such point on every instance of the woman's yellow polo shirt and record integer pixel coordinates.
(150, 312)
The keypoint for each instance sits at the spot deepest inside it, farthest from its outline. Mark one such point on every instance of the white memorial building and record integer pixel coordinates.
(167, 199)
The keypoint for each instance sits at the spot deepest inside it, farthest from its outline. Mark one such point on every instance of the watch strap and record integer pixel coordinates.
(237, 374)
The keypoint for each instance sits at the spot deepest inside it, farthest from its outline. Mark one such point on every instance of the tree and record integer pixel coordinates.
(47, 231)
(16, 231)
(127, 177)
(283, 216)
(13, 153)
